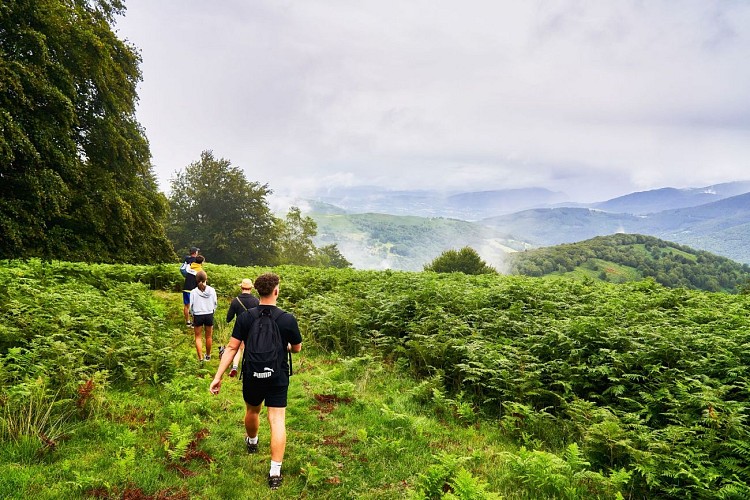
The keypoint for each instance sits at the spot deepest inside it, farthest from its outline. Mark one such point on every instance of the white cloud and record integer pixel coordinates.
(591, 98)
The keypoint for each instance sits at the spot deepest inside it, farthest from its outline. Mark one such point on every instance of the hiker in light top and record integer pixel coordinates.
(256, 390)
(203, 305)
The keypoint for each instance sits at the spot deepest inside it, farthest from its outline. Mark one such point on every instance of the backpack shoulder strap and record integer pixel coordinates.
(277, 313)
(243, 305)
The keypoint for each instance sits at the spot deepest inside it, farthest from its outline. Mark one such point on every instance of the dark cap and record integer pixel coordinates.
(194, 249)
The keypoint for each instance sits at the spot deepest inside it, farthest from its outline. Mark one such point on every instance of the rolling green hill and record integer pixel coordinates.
(380, 241)
(621, 258)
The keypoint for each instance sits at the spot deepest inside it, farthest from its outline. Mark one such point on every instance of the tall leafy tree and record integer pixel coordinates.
(214, 207)
(296, 233)
(331, 256)
(295, 239)
(75, 175)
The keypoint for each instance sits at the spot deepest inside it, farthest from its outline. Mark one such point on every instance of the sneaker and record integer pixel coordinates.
(221, 351)
(275, 481)
(233, 372)
(251, 447)
(207, 357)
(188, 323)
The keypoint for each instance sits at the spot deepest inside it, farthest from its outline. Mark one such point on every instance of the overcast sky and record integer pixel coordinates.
(592, 98)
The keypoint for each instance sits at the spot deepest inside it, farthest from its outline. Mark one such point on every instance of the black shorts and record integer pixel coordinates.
(273, 395)
(203, 319)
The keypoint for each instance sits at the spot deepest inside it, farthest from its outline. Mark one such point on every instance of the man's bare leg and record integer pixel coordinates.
(277, 420)
(252, 420)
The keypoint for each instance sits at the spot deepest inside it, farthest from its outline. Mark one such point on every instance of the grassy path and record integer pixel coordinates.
(356, 429)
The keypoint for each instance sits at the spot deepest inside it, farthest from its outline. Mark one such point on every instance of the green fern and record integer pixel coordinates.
(435, 481)
(464, 486)
(177, 442)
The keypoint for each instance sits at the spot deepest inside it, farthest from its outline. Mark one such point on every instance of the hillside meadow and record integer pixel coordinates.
(620, 258)
(410, 385)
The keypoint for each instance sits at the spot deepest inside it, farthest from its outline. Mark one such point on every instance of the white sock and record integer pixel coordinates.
(252, 440)
(275, 469)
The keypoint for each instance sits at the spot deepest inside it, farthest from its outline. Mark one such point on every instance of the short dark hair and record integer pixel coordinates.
(200, 259)
(265, 283)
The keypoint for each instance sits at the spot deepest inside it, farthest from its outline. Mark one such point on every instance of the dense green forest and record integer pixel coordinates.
(600, 390)
(626, 257)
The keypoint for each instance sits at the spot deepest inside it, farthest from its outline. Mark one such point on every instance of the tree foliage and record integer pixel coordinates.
(465, 261)
(75, 173)
(215, 208)
(295, 239)
(331, 256)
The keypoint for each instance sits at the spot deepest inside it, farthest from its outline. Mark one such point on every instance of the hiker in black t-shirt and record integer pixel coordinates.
(244, 301)
(189, 282)
(254, 390)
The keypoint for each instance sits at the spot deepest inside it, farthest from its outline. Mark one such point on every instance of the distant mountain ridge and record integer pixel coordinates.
(383, 241)
(658, 200)
(371, 240)
(477, 205)
(463, 205)
(721, 227)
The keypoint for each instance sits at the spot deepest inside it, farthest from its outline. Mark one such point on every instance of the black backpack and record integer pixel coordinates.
(263, 359)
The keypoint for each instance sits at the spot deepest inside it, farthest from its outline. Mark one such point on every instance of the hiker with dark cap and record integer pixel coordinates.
(189, 282)
(264, 384)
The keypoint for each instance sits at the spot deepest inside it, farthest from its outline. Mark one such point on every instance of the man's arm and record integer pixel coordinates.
(230, 311)
(224, 363)
(292, 334)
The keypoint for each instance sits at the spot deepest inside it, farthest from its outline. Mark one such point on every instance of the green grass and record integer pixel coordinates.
(614, 272)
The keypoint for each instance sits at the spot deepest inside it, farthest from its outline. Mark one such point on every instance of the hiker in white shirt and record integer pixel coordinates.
(203, 304)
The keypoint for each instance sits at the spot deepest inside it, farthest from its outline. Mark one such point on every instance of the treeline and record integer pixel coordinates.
(76, 180)
(214, 207)
(668, 263)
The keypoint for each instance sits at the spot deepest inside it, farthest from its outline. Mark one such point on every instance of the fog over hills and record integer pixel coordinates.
(467, 206)
(378, 228)
(477, 205)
